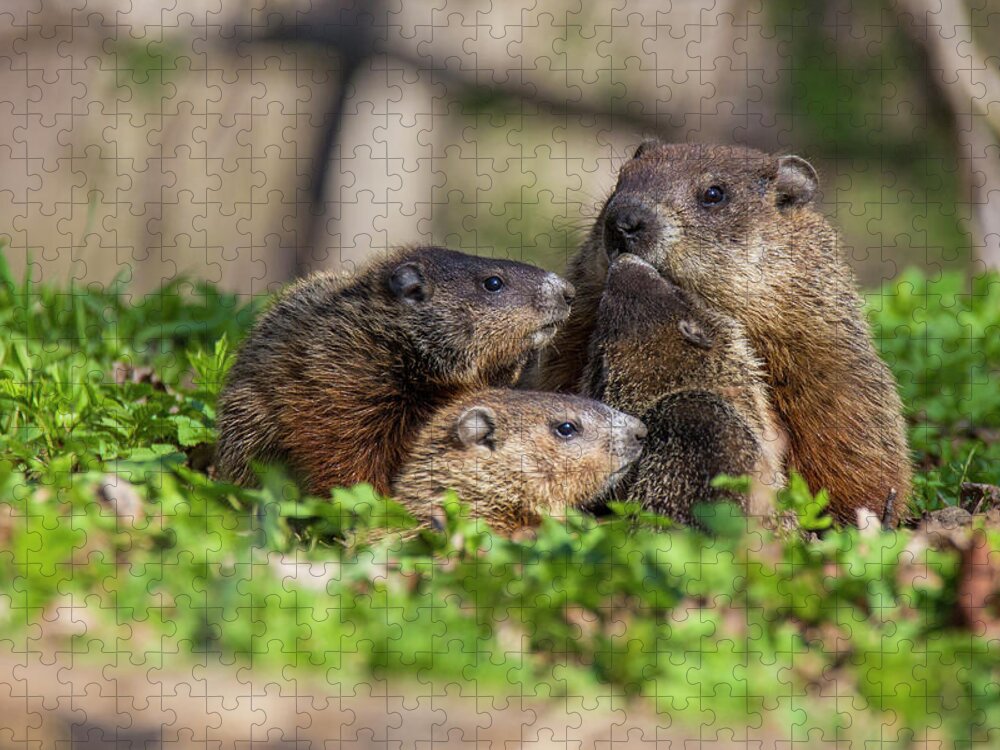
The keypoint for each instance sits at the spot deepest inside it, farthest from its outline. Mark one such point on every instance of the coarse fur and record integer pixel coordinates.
(500, 451)
(689, 372)
(339, 374)
(694, 436)
(764, 255)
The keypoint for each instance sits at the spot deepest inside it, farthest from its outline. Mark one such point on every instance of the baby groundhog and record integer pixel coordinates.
(690, 374)
(338, 375)
(738, 227)
(517, 455)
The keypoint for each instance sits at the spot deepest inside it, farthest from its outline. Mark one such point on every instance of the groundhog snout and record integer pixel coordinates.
(629, 434)
(629, 226)
(557, 295)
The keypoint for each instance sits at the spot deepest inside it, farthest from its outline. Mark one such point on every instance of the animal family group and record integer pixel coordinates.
(707, 325)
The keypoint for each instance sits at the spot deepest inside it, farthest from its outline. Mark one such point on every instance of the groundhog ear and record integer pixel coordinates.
(477, 426)
(408, 283)
(695, 334)
(796, 182)
(645, 146)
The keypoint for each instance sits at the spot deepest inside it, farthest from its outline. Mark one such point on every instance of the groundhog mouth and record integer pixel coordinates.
(544, 335)
(617, 474)
(665, 274)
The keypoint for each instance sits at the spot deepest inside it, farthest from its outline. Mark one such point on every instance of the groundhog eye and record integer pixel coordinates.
(566, 429)
(493, 284)
(713, 196)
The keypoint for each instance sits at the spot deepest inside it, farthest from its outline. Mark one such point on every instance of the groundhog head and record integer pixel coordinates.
(475, 318)
(716, 219)
(517, 455)
(650, 337)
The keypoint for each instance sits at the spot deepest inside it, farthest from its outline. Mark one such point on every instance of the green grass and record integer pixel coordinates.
(715, 631)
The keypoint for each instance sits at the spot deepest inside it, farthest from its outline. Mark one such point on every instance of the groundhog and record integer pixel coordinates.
(517, 455)
(689, 373)
(738, 227)
(337, 377)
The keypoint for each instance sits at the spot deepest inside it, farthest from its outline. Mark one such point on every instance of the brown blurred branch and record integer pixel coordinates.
(359, 32)
(944, 29)
(360, 36)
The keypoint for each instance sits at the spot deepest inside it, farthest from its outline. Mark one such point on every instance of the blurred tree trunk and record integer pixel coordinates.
(944, 28)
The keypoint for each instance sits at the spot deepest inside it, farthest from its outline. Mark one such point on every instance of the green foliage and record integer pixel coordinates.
(847, 635)
(210, 368)
(807, 508)
(93, 376)
(146, 67)
(941, 337)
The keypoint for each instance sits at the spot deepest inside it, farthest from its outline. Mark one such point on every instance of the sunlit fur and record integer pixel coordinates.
(523, 470)
(690, 374)
(769, 259)
(339, 374)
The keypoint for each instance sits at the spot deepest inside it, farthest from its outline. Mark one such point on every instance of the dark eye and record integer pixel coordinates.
(566, 430)
(493, 284)
(713, 196)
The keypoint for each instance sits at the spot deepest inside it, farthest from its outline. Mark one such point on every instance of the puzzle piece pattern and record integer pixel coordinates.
(154, 139)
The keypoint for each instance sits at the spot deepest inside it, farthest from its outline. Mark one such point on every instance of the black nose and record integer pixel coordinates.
(568, 293)
(558, 294)
(638, 433)
(626, 227)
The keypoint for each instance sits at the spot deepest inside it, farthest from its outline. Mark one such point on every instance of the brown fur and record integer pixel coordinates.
(766, 257)
(338, 375)
(690, 374)
(499, 450)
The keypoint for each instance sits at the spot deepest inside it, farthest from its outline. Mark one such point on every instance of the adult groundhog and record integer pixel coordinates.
(737, 227)
(338, 375)
(689, 373)
(517, 455)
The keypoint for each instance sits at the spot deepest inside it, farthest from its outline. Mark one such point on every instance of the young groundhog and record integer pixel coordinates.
(338, 375)
(737, 227)
(690, 374)
(516, 455)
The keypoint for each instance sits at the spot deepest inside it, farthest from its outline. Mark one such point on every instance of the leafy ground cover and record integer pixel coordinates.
(108, 510)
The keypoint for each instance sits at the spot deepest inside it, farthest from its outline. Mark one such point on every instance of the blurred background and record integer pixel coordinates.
(249, 142)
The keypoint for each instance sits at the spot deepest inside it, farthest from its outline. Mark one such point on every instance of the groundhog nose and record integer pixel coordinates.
(633, 433)
(625, 226)
(639, 432)
(568, 293)
(558, 293)
(636, 434)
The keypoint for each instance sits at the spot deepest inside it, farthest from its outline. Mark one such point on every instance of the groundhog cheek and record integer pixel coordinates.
(508, 327)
